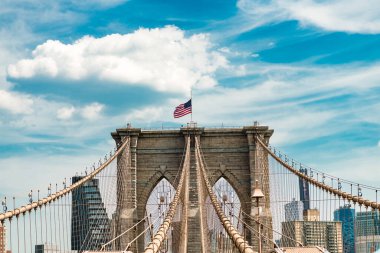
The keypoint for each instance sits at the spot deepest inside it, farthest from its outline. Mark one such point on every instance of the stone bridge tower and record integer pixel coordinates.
(232, 153)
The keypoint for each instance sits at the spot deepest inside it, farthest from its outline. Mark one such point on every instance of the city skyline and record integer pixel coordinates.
(258, 185)
(72, 72)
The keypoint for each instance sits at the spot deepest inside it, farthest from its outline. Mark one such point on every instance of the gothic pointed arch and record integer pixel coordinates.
(228, 198)
(236, 184)
(157, 204)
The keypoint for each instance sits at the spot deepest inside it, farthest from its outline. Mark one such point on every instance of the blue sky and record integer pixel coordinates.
(73, 71)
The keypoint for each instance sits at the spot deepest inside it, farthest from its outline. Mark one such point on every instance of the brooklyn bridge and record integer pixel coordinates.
(195, 189)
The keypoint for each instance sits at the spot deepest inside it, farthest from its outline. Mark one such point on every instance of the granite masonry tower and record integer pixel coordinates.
(232, 153)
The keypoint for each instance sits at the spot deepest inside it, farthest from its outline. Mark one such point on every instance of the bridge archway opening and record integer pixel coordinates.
(156, 207)
(229, 201)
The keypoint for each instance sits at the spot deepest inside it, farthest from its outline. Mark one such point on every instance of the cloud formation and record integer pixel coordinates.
(92, 111)
(15, 103)
(357, 16)
(163, 59)
(65, 113)
(301, 103)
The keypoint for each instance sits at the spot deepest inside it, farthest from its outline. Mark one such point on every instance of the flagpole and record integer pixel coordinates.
(191, 98)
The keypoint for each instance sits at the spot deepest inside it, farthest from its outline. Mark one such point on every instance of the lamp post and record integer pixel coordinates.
(257, 195)
(224, 203)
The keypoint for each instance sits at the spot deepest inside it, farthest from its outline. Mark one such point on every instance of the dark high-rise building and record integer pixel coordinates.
(304, 191)
(90, 225)
(346, 215)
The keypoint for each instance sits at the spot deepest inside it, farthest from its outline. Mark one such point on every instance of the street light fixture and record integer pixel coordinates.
(258, 194)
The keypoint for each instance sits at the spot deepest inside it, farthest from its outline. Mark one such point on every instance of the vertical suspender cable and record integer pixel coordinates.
(10, 232)
(35, 224)
(30, 232)
(23, 216)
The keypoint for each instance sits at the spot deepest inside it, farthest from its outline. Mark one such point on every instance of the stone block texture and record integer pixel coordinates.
(232, 153)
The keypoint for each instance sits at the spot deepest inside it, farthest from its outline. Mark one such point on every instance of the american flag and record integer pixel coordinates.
(182, 109)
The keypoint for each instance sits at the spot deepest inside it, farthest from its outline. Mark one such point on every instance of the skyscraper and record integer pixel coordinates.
(294, 210)
(90, 225)
(304, 190)
(367, 237)
(346, 215)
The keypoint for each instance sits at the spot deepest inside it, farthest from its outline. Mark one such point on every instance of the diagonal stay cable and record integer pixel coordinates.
(260, 223)
(238, 239)
(144, 231)
(160, 235)
(103, 248)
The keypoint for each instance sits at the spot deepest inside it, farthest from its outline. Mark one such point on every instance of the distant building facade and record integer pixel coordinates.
(294, 211)
(90, 225)
(367, 237)
(45, 248)
(346, 215)
(49, 248)
(3, 239)
(311, 215)
(313, 232)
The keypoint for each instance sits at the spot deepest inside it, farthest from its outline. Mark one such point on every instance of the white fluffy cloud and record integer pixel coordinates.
(162, 58)
(15, 103)
(65, 113)
(92, 111)
(89, 112)
(354, 16)
(291, 100)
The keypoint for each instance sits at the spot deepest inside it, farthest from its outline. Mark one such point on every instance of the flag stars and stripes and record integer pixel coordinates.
(183, 109)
